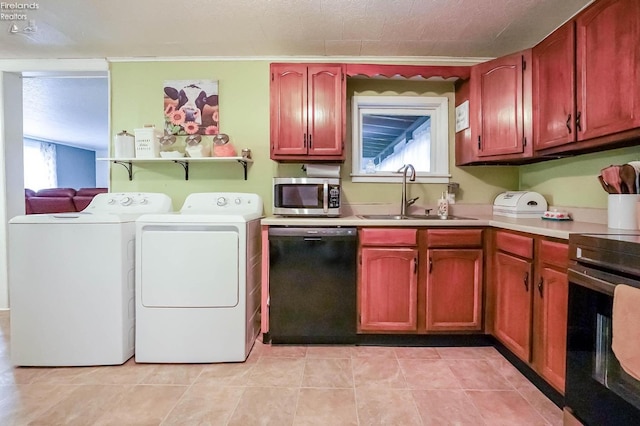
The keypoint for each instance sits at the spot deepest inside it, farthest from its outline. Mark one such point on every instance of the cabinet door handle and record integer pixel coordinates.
(569, 123)
(304, 141)
(540, 285)
(479, 144)
(430, 264)
(526, 281)
(578, 124)
(310, 141)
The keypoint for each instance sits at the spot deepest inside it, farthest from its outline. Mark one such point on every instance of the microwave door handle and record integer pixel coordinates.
(325, 197)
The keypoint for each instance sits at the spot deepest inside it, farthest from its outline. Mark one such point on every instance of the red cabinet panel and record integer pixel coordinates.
(513, 303)
(531, 302)
(289, 109)
(608, 68)
(454, 289)
(500, 105)
(586, 81)
(388, 290)
(554, 89)
(550, 306)
(307, 112)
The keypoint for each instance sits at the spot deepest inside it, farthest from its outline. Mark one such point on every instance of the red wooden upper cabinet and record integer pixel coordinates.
(554, 89)
(307, 112)
(502, 109)
(608, 68)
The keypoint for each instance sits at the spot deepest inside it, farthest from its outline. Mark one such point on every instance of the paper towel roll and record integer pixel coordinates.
(323, 170)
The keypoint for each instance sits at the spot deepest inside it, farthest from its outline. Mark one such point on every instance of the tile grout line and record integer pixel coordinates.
(353, 383)
(295, 411)
(181, 396)
(410, 390)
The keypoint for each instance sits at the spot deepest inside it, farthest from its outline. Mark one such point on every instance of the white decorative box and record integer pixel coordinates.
(147, 143)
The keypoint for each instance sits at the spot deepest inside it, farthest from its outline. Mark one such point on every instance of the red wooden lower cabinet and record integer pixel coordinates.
(531, 290)
(388, 280)
(550, 306)
(454, 289)
(389, 289)
(420, 281)
(513, 305)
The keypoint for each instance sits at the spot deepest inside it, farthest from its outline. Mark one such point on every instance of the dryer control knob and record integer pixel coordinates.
(238, 201)
(111, 201)
(126, 201)
(144, 201)
(221, 201)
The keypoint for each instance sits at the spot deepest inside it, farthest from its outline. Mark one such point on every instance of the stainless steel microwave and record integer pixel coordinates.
(306, 197)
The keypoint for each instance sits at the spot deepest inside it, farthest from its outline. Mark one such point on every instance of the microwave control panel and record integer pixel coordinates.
(334, 196)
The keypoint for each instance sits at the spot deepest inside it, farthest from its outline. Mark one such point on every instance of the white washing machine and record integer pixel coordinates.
(198, 280)
(71, 282)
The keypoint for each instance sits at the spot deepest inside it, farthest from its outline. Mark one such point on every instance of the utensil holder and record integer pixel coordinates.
(622, 211)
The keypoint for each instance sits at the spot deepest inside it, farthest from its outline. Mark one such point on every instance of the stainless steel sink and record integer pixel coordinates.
(411, 216)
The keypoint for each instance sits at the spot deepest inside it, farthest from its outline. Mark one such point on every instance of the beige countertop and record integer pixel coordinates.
(549, 228)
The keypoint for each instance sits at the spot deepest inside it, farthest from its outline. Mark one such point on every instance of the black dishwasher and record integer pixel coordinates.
(312, 285)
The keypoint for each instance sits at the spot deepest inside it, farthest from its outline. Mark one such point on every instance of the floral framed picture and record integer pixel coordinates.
(191, 107)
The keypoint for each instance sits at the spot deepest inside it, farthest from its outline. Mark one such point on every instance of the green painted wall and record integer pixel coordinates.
(573, 181)
(136, 100)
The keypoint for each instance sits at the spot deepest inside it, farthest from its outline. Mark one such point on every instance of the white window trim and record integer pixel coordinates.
(439, 108)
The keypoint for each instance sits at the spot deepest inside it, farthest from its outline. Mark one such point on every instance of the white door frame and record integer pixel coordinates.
(11, 160)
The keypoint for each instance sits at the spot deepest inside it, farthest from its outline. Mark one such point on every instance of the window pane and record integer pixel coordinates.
(39, 165)
(391, 131)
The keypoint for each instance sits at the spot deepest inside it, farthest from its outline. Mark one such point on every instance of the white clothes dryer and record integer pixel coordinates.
(71, 282)
(198, 280)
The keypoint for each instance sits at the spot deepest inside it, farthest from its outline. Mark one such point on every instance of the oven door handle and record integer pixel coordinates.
(586, 280)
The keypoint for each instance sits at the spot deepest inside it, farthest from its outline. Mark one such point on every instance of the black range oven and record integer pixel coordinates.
(598, 391)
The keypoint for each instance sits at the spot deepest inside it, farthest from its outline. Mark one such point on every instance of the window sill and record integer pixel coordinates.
(397, 178)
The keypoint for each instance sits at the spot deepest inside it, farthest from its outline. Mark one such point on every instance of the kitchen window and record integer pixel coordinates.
(390, 131)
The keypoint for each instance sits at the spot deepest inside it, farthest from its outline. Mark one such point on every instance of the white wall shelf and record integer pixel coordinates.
(127, 163)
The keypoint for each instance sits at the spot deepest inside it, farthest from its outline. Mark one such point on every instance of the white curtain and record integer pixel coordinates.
(417, 152)
(39, 165)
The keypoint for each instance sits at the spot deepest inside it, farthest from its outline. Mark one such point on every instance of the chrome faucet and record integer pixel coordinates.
(406, 203)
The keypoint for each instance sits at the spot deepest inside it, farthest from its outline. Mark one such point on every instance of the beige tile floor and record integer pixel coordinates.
(281, 385)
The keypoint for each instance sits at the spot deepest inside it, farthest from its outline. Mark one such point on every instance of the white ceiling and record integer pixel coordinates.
(75, 111)
(264, 28)
(71, 110)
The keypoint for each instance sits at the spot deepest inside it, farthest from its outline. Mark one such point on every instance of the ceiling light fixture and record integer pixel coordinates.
(29, 28)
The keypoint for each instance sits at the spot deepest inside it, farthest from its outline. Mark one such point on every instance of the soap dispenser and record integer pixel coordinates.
(443, 206)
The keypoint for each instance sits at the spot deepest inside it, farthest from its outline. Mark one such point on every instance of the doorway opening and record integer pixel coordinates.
(65, 128)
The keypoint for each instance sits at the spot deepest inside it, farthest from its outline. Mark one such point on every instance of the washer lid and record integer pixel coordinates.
(72, 218)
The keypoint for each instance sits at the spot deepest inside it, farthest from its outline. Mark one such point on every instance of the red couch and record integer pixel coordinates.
(59, 200)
